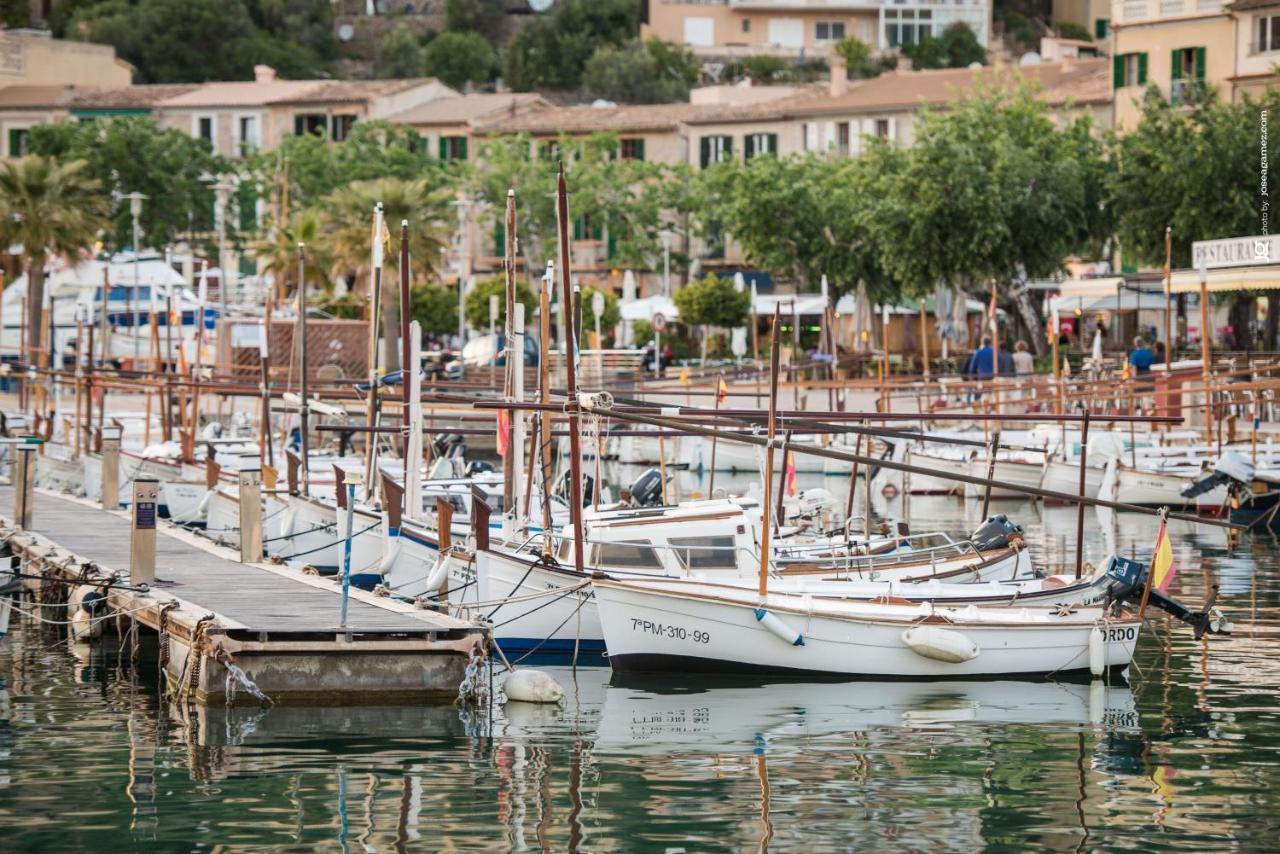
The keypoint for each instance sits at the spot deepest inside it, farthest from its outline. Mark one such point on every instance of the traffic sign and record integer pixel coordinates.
(659, 321)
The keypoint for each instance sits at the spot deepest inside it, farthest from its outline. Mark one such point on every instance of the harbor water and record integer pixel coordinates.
(94, 757)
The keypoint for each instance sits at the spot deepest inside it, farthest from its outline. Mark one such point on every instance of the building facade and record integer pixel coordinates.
(805, 28)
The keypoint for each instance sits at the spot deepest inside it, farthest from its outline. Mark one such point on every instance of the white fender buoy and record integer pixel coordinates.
(1097, 652)
(940, 644)
(391, 551)
(202, 509)
(532, 686)
(287, 519)
(83, 627)
(778, 627)
(439, 573)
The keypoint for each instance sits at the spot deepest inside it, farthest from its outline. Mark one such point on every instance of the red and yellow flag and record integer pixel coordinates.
(504, 427)
(791, 474)
(722, 391)
(1162, 568)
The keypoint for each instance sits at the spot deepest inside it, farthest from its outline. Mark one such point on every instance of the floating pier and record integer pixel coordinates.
(218, 618)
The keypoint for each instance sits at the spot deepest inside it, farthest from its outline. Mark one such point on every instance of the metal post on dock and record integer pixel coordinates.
(347, 485)
(142, 538)
(250, 477)
(110, 468)
(24, 479)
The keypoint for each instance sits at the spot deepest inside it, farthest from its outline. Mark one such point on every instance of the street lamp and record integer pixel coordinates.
(135, 211)
(666, 236)
(222, 187)
(463, 204)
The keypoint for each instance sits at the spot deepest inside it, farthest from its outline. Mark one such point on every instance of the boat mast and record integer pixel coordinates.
(571, 380)
(375, 311)
(304, 425)
(768, 454)
(514, 363)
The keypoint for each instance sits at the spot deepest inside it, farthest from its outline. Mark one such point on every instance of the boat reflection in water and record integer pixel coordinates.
(650, 716)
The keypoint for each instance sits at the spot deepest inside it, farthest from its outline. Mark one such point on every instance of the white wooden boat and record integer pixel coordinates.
(692, 625)
(1011, 471)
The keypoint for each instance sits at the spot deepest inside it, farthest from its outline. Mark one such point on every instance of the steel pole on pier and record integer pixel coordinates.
(142, 534)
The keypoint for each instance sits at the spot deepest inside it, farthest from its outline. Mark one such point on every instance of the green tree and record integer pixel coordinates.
(132, 154)
(552, 50)
(49, 208)
(459, 58)
(763, 69)
(398, 54)
(653, 72)
(481, 16)
(991, 190)
(956, 47)
(192, 41)
(712, 301)
(347, 216)
(476, 304)
(857, 57)
(277, 251)
(435, 308)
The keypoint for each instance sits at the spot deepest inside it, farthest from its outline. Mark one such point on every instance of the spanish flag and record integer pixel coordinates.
(504, 426)
(1162, 568)
(791, 474)
(722, 391)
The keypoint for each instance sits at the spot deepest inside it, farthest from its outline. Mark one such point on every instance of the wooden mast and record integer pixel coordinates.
(304, 421)
(514, 362)
(375, 313)
(570, 372)
(768, 454)
(406, 350)
(544, 395)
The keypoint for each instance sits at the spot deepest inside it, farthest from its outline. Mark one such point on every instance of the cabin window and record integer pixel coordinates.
(705, 552)
(634, 555)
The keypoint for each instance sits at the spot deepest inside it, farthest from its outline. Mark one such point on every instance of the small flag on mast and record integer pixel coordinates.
(722, 391)
(504, 432)
(791, 474)
(1162, 568)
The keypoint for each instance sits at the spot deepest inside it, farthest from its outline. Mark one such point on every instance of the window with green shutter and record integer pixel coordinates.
(1142, 69)
(1200, 64)
(714, 149)
(17, 142)
(1117, 71)
(1101, 27)
(631, 149)
(453, 148)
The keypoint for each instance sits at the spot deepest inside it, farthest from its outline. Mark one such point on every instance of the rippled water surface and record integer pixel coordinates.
(91, 756)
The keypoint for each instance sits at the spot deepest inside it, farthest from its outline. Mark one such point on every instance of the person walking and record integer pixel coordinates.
(1141, 359)
(1023, 363)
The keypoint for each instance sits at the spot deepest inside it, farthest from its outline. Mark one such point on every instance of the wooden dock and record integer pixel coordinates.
(276, 624)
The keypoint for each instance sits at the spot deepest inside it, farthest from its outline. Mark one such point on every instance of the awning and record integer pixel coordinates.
(1090, 287)
(645, 309)
(1128, 301)
(1228, 279)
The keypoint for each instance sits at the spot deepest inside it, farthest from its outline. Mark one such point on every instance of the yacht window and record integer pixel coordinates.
(705, 552)
(637, 555)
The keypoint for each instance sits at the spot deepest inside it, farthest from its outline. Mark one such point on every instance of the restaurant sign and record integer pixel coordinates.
(1236, 252)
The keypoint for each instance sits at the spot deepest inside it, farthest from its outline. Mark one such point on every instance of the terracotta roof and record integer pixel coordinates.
(332, 91)
(130, 96)
(247, 93)
(36, 97)
(1080, 81)
(1245, 5)
(631, 117)
(465, 108)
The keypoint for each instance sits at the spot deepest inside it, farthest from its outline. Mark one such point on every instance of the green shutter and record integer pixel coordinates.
(728, 148)
(577, 228)
(704, 150)
(1100, 28)
(444, 148)
(1142, 69)
(1175, 64)
(613, 243)
(772, 140)
(1117, 71)
(1200, 64)
(462, 142)
(15, 138)
(749, 146)
(638, 146)
(500, 240)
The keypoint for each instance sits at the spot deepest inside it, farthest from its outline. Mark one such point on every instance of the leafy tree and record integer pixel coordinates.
(277, 252)
(481, 16)
(956, 47)
(1072, 30)
(857, 57)
(374, 149)
(1191, 166)
(435, 308)
(307, 24)
(398, 54)
(347, 216)
(626, 198)
(653, 72)
(15, 13)
(50, 208)
(192, 41)
(712, 301)
(459, 58)
(991, 190)
(801, 217)
(552, 50)
(608, 320)
(476, 304)
(132, 154)
(763, 69)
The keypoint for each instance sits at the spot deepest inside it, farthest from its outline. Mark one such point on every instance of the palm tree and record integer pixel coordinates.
(51, 209)
(347, 222)
(278, 252)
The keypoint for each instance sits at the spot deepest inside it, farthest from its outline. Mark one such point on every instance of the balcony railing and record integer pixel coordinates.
(822, 5)
(1138, 10)
(1171, 7)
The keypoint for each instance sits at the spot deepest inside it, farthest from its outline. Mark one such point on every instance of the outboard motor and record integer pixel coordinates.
(476, 467)
(646, 490)
(995, 533)
(563, 492)
(448, 445)
(1232, 467)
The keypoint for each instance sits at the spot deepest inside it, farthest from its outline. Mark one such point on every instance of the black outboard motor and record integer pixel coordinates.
(448, 445)
(646, 491)
(476, 467)
(995, 533)
(564, 493)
